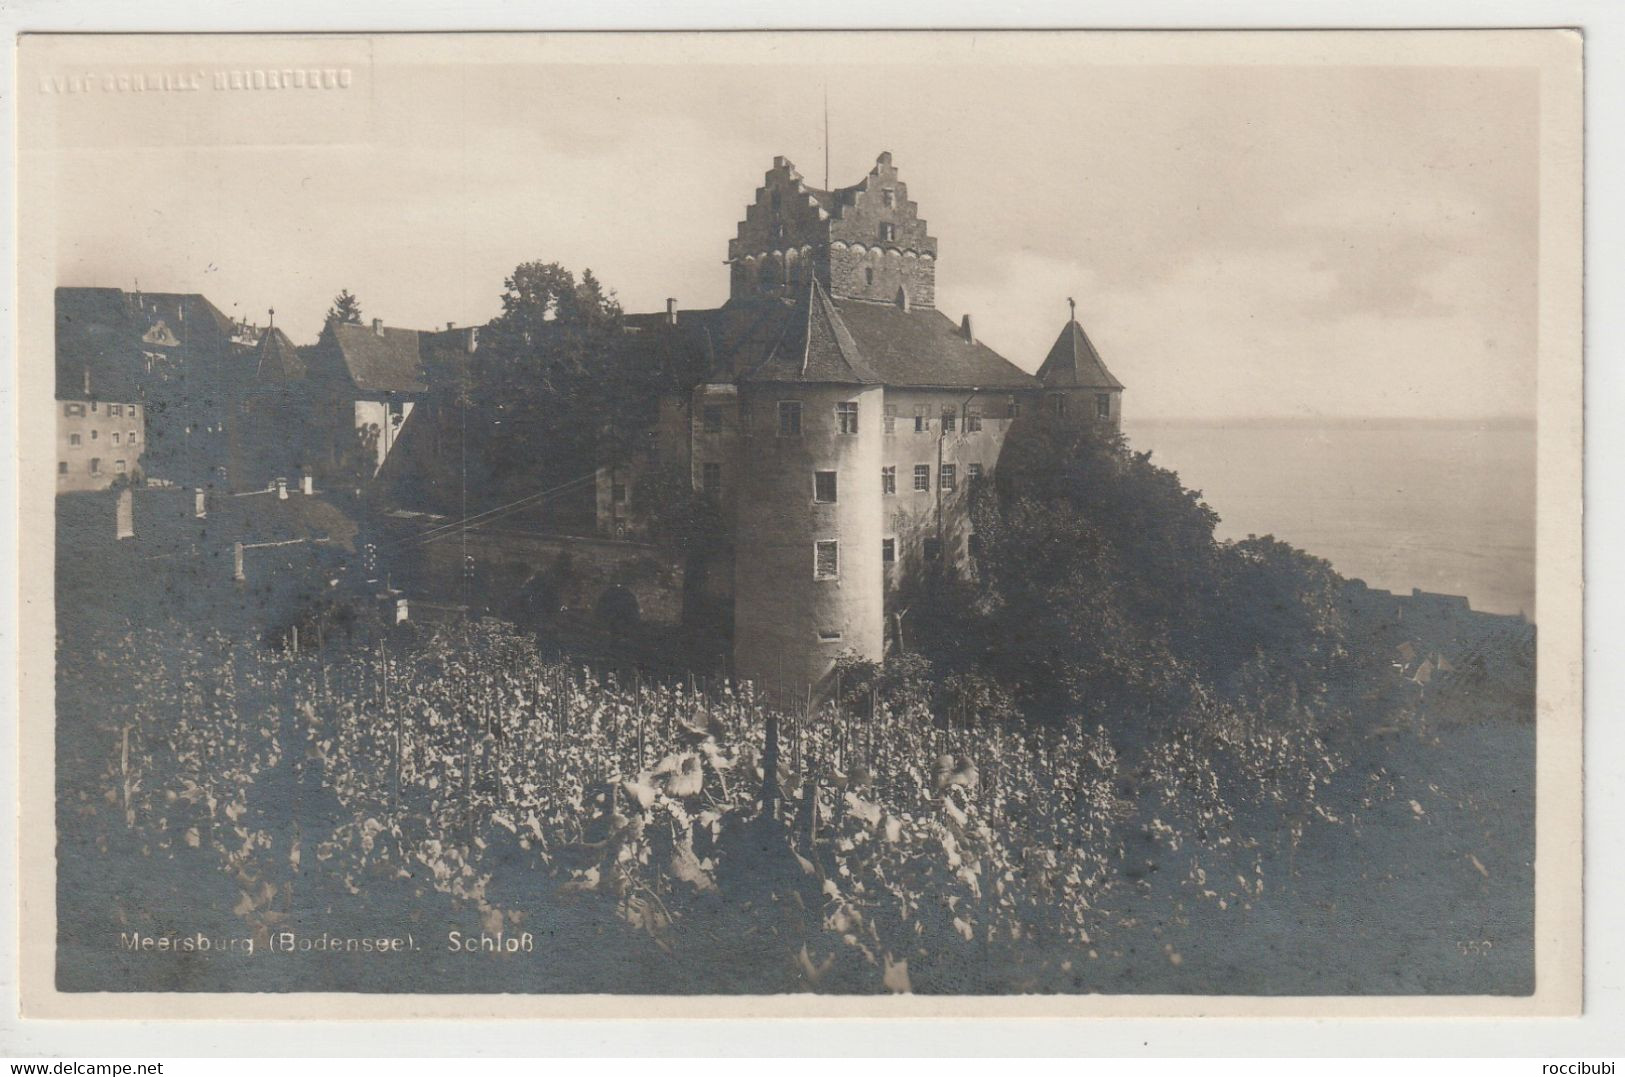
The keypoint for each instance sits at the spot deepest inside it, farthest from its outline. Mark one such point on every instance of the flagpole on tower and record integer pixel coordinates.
(826, 136)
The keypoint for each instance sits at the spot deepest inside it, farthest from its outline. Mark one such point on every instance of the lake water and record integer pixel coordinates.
(1447, 506)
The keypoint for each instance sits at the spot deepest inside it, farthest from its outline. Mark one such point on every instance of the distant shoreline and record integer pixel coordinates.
(1502, 422)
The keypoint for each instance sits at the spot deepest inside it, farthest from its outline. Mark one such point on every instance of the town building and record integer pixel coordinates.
(363, 383)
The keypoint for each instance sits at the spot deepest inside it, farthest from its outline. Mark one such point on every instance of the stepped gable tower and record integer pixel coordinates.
(1077, 386)
(865, 241)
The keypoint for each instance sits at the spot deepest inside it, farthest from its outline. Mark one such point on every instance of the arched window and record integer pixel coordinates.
(869, 275)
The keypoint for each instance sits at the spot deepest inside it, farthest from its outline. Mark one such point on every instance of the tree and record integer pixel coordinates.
(346, 309)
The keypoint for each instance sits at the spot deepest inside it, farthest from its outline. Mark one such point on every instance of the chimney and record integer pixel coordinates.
(966, 331)
(125, 513)
(402, 612)
(87, 383)
(307, 485)
(237, 562)
(200, 503)
(450, 326)
(378, 326)
(282, 489)
(671, 311)
(473, 339)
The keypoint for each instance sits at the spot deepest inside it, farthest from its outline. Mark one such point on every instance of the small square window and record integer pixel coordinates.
(115, 437)
(949, 420)
(1057, 404)
(933, 549)
(75, 440)
(846, 417)
(1103, 405)
(93, 405)
(973, 472)
(826, 559)
(132, 437)
(116, 410)
(711, 418)
(973, 420)
(61, 467)
(74, 409)
(789, 418)
(890, 420)
(711, 479)
(888, 480)
(95, 465)
(824, 487)
(829, 635)
(94, 434)
(132, 411)
(888, 551)
(950, 477)
(888, 232)
(922, 477)
(118, 466)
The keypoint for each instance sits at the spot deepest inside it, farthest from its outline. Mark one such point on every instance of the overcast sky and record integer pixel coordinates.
(1248, 240)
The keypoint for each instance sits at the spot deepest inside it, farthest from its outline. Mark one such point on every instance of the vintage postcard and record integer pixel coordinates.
(800, 524)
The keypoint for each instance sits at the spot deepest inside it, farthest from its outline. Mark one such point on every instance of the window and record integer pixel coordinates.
(829, 635)
(74, 409)
(789, 418)
(933, 549)
(1013, 411)
(711, 479)
(131, 438)
(888, 197)
(824, 487)
(888, 232)
(94, 434)
(92, 405)
(888, 551)
(869, 275)
(889, 422)
(115, 437)
(973, 420)
(921, 422)
(922, 477)
(826, 559)
(132, 411)
(617, 493)
(95, 465)
(949, 420)
(118, 466)
(1057, 405)
(973, 472)
(846, 417)
(75, 440)
(61, 467)
(116, 410)
(711, 418)
(1103, 405)
(950, 477)
(888, 480)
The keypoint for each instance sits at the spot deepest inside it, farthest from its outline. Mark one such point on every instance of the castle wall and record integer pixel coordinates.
(911, 516)
(789, 626)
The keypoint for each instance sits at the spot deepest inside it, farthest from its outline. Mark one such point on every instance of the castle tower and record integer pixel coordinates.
(1077, 386)
(865, 241)
(809, 579)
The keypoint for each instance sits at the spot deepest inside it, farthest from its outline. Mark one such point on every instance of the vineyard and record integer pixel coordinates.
(683, 837)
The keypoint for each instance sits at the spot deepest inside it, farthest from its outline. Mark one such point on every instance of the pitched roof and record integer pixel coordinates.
(105, 334)
(807, 341)
(1073, 362)
(385, 360)
(926, 349)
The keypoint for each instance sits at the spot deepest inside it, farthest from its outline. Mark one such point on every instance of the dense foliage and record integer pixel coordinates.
(1100, 593)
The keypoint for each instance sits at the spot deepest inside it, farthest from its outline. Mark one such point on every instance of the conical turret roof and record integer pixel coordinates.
(1073, 363)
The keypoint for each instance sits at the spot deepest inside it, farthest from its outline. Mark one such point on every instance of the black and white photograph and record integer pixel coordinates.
(803, 516)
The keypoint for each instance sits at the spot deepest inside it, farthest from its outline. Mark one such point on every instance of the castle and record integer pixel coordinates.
(844, 420)
(840, 424)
